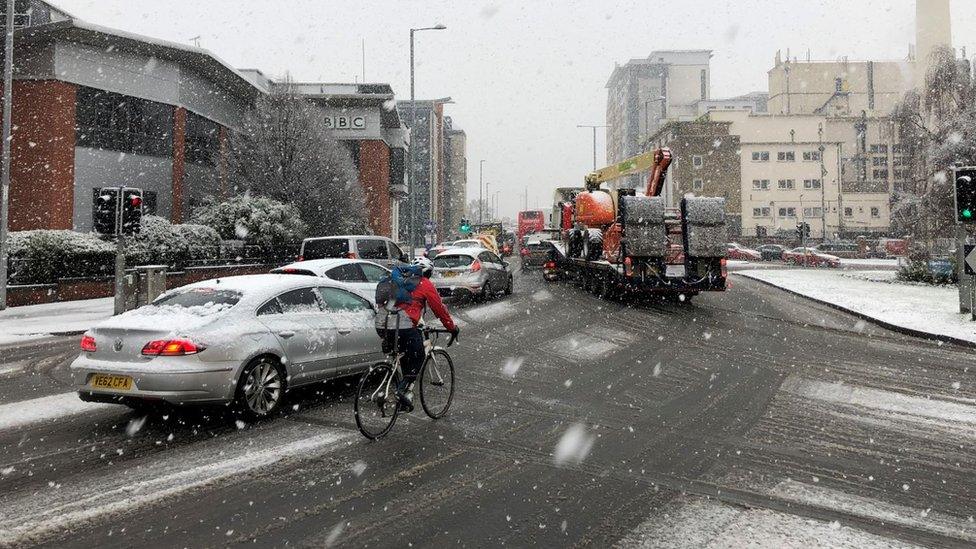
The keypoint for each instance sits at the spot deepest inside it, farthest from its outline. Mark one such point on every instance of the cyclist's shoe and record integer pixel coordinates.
(406, 402)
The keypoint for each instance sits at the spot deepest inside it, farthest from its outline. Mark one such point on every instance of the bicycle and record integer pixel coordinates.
(377, 406)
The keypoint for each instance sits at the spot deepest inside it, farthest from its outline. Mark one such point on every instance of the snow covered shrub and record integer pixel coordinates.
(161, 242)
(919, 271)
(258, 221)
(43, 256)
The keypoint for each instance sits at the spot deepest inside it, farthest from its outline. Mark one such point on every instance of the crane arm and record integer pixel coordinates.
(657, 161)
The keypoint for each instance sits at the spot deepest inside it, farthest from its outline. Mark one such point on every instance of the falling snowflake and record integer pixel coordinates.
(574, 445)
(512, 366)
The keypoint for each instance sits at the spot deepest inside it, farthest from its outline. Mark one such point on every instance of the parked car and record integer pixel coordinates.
(353, 274)
(840, 248)
(534, 253)
(377, 249)
(243, 340)
(741, 253)
(471, 272)
(810, 257)
(771, 252)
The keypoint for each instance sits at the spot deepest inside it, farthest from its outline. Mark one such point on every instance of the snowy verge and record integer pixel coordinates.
(28, 412)
(924, 311)
(19, 324)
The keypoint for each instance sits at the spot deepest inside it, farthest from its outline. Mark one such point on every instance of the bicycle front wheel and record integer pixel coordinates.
(376, 402)
(437, 383)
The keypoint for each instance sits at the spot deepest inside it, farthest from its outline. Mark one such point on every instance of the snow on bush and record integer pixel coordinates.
(161, 242)
(259, 221)
(43, 256)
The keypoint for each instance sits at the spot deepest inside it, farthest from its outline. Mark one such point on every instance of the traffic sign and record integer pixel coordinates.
(970, 251)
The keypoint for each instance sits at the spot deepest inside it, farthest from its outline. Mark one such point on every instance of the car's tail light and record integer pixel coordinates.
(88, 343)
(300, 258)
(350, 255)
(628, 266)
(725, 272)
(475, 266)
(171, 347)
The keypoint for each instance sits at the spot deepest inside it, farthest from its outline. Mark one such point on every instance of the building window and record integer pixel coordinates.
(698, 184)
(838, 84)
(787, 212)
(760, 212)
(879, 149)
(760, 156)
(812, 212)
(786, 184)
(811, 156)
(704, 84)
(879, 161)
(897, 148)
(786, 156)
(760, 184)
(116, 122)
(812, 184)
(880, 174)
(848, 212)
(202, 140)
(875, 211)
(697, 161)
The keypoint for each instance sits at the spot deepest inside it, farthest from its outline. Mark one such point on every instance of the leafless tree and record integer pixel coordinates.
(285, 152)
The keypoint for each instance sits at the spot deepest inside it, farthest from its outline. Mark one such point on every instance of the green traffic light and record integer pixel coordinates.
(967, 213)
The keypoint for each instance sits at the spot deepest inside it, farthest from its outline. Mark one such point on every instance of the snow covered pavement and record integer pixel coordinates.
(929, 310)
(19, 324)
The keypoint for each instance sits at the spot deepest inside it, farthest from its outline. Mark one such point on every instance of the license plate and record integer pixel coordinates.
(449, 274)
(118, 383)
(674, 271)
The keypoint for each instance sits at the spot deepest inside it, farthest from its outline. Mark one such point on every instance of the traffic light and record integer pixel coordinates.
(131, 211)
(117, 210)
(465, 226)
(105, 212)
(806, 229)
(803, 230)
(965, 194)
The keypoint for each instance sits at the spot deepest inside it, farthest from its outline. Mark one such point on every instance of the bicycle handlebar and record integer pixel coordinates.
(454, 338)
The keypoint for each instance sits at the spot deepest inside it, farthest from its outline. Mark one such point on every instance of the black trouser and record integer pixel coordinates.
(411, 344)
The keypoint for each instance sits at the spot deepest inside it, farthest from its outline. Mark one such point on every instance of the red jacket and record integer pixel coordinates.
(423, 295)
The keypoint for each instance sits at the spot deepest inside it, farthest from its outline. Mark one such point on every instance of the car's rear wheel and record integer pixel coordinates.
(261, 388)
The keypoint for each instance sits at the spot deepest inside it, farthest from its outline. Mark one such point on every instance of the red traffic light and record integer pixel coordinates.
(135, 201)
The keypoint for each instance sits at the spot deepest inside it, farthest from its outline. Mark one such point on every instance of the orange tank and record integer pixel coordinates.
(595, 209)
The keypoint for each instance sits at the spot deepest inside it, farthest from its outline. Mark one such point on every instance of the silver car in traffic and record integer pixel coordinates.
(242, 340)
(471, 272)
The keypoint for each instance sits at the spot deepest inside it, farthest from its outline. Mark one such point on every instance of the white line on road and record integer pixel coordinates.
(37, 410)
(32, 517)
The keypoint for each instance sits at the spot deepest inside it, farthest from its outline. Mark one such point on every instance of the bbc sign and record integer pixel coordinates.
(345, 122)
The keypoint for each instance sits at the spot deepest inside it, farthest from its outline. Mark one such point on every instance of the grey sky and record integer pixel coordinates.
(522, 74)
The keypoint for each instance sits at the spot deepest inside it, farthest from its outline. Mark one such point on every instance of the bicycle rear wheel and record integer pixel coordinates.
(376, 403)
(437, 383)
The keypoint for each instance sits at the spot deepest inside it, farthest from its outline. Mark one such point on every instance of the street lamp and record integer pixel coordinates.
(481, 191)
(413, 120)
(594, 139)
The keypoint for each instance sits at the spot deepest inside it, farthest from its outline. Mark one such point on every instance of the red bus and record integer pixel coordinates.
(530, 221)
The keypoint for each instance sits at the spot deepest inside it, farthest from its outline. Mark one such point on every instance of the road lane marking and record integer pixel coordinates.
(39, 515)
(14, 415)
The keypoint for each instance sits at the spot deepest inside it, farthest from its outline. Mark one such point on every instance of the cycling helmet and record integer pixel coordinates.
(426, 265)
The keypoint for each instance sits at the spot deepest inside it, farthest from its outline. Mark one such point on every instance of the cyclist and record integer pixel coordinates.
(409, 290)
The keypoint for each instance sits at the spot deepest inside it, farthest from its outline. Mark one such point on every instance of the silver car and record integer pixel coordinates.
(471, 272)
(243, 340)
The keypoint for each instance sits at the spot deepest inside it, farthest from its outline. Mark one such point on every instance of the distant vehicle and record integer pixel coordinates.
(244, 340)
(471, 272)
(353, 274)
(508, 243)
(741, 253)
(841, 248)
(771, 252)
(534, 253)
(432, 253)
(377, 249)
(485, 241)
(810, 257)
(529, 221)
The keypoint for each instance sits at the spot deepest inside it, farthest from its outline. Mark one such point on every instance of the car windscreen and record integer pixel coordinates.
(325, 248)
(199, 297)
(452, 261)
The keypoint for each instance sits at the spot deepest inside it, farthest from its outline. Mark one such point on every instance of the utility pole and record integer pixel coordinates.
(594, 128)
(8, 85)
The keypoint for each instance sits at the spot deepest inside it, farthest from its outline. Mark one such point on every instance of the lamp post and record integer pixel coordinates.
(413, 120)
(594, 128)
(481, 191)
(8, 77)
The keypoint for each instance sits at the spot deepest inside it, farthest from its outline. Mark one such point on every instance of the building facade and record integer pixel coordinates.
(97, 107)
(455, 195)
(753, 102)
(705, 163)
(426, 121)
(645, 93)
